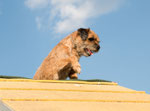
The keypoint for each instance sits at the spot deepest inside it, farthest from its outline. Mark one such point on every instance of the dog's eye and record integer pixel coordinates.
(91, 39)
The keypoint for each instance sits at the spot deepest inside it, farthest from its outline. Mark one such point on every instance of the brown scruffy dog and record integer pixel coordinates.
(63, 60)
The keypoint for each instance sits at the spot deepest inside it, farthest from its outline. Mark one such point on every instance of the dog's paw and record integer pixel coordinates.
(73, 76)
(77, 68)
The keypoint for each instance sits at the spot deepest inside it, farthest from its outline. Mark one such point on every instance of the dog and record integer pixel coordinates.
(63, 60)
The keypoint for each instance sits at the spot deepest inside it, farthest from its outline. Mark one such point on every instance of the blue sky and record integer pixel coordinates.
(29, 29)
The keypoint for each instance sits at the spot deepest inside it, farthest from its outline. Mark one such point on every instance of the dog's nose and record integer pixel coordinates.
(98, 47)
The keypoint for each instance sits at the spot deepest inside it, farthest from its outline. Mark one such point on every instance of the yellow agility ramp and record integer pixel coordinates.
(55, 95)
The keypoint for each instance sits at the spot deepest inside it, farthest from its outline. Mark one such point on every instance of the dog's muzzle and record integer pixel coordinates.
(88, 51)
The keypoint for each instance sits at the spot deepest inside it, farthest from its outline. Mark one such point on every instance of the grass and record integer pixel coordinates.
(91, 80)
(18, 77)
(13, 77)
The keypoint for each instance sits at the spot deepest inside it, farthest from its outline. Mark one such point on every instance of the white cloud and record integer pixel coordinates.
(38, 21)
(68, 15)
(34, 4)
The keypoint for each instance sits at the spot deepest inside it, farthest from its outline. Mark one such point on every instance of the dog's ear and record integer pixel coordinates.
(83, 33)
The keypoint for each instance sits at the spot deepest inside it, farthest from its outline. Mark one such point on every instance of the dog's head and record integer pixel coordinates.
(87, 42)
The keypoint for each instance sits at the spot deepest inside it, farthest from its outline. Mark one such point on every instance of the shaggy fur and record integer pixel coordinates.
(63, 60)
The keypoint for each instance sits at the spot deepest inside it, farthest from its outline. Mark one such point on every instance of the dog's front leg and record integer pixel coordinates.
(75, 65)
